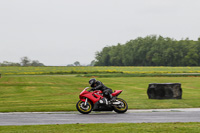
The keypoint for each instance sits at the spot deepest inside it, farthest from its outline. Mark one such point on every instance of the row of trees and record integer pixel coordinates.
(151, 51)
(25, 61)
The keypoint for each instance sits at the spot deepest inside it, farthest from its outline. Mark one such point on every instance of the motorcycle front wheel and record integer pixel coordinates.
(82, 108)
(122, 108)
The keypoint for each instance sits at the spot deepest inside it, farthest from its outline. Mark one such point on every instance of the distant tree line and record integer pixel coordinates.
(25, 61)
(77, 63)
(151, 51)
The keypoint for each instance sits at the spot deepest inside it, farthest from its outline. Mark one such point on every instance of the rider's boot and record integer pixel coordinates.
(111, 98)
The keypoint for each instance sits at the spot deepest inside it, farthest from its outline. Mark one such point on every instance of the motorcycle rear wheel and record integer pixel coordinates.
(121, 109)
(82, 108)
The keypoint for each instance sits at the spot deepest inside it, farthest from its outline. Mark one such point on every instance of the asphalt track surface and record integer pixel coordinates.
(131, 116)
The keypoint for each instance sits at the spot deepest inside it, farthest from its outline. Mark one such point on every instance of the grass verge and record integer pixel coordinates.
(141, 75)
(111, 128)
(60, 93)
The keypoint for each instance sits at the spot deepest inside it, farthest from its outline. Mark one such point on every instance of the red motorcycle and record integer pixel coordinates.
(95, 101)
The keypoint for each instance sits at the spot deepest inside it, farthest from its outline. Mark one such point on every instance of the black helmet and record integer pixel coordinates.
(92, 82)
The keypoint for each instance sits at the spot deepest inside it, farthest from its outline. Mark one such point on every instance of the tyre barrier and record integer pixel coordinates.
(164, 91)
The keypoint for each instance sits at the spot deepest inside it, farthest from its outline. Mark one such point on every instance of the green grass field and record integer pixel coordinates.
(60, 92)
(57, 89)
(87, 70)
(111, 128)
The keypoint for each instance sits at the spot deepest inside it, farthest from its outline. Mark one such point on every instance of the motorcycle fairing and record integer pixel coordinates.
(94, 97)
(116, 92)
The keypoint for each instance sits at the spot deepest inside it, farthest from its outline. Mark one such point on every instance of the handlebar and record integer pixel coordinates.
(90, 89)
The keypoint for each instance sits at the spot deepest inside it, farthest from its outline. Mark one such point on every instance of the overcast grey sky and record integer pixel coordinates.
(60, 32)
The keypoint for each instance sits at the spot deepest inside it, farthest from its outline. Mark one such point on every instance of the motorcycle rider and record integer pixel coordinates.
(98, 85)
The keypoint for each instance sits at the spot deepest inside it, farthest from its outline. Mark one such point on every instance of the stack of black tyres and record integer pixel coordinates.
(164, 91)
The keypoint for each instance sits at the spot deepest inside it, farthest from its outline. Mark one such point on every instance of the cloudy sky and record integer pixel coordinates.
(60, 32)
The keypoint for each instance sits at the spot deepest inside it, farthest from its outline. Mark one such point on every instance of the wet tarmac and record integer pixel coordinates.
(131, 116)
